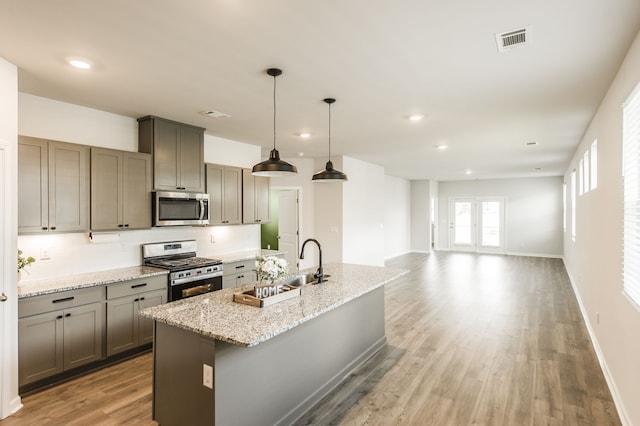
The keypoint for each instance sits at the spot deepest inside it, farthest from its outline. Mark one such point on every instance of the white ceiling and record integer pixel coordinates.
(382, 60)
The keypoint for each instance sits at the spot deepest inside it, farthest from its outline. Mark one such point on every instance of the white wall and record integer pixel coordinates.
(9, 399)
(74, 253)
(533, 212)
(328, 216)
(397, 216)
(363, 201)
(594, 259)
(420, 216)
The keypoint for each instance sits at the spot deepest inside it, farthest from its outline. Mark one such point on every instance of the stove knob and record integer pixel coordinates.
(187, 273)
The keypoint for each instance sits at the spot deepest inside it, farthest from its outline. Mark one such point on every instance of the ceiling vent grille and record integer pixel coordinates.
(513, 39)
(215, 114)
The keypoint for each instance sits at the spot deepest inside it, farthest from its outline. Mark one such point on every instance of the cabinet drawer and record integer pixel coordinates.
(241, 266)
(61, 300)
(131, 287)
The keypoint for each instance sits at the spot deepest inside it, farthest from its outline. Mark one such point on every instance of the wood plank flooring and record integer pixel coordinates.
(473, 340)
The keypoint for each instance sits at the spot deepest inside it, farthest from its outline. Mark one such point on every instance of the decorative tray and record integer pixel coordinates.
(269, 295)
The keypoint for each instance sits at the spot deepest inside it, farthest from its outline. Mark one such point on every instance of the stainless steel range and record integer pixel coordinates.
(189, 275)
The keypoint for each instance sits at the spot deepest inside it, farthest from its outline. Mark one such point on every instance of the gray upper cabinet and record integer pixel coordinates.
(256, 198)
(120, 189)
(178, 154)
(53, 186)
(224, 186)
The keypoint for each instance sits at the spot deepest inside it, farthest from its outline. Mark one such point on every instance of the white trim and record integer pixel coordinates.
(615, 395)
(550, 256)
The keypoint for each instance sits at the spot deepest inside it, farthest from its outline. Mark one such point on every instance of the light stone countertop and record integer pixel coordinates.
(246, 255)
(217, 316)
(89, 279)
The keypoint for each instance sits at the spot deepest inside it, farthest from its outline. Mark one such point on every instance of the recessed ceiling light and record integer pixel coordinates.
(215, 114)
(532, 143)
(301, 154)
(416, 117)
(537, 169)
(79, 63)
(467, 172)
(442, 147)
(304, 135)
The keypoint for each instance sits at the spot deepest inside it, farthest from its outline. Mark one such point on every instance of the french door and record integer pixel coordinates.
(476, 224)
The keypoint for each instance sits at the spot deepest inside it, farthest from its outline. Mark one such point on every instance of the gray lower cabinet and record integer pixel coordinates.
(125, 328)
(59, 332)
(53, 186)
(120, 189)
(239, 273)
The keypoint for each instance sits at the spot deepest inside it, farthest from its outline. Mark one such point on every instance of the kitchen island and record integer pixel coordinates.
(225, 363)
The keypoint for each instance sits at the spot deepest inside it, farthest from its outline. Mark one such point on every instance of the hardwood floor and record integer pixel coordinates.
(473, 339)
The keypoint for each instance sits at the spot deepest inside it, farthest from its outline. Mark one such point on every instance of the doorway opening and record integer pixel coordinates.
(282, 232)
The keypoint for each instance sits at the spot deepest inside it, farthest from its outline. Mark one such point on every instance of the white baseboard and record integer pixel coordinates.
(551, 256)
(622, 413)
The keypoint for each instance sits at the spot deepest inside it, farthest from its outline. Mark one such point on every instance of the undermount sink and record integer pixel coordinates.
(303, 279)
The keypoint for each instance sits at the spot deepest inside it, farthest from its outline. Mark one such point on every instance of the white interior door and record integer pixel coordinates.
(462, 224)
(476, 224)
(288, 227)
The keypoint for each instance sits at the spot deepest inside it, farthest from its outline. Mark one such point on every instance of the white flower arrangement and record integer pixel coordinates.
(271, 268)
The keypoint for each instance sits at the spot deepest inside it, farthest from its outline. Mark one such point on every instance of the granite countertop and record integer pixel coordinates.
(89, 279)
(247, 255)
(217, 316)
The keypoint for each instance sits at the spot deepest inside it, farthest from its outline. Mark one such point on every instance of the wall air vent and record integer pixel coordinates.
(513, 39)
(215, 114)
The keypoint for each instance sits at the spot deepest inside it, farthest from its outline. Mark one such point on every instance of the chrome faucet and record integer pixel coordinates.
(319, 275)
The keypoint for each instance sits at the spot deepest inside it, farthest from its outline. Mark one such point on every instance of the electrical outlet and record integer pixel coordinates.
(45, 254)
(207, 376)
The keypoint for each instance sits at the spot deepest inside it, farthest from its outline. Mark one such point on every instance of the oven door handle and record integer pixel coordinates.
(185, 280)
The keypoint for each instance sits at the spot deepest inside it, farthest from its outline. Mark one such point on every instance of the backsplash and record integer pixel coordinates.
(75, 253)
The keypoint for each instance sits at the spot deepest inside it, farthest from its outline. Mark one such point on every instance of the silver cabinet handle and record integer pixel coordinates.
(3, 297)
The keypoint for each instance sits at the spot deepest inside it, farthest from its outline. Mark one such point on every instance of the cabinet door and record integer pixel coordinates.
(136, 193)
(191, 159)
(122, 324)
(106, 189)
(248, 197)
(68, 187)
(232, 195)
(83, 335)
(256, 198)
(40, 346)
(166, 145)
(215, 178)
(145, 325)
(33, 179)
(263, 199)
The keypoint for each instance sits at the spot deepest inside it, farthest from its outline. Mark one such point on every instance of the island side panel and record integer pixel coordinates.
(179, 395)
(277, 381)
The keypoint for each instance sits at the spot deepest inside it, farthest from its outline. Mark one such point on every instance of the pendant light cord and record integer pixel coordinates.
(274, 112)
(329, 132)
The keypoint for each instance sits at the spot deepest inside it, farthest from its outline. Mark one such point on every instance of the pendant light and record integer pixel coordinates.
(329, 174)
(274, 166)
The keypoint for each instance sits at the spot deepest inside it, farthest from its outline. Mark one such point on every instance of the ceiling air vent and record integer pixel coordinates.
(215, 114)
(513, 39)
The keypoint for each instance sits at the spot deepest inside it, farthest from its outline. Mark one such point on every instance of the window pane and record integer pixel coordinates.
(580, 177)
(490, 224)
(462, 231)
(573, 205)
(594, 164)
(586, 171)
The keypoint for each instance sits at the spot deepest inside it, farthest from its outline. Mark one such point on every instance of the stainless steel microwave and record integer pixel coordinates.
(180, 208)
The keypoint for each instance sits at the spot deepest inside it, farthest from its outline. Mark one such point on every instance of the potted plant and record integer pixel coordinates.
(23, 262)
